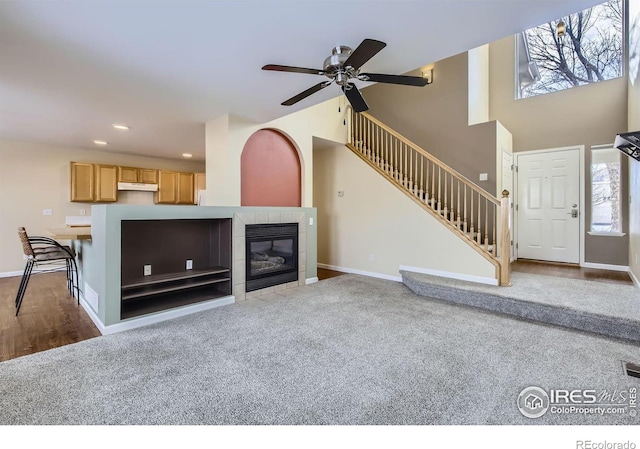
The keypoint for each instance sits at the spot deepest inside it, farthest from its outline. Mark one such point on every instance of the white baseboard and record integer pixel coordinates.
(10, 274)
(156, 317)
(604, 266)
(635, 280)
(360, 272)
(451, 275)
(311, 280)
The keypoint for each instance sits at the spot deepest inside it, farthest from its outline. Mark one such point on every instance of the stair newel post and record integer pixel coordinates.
(505, 240)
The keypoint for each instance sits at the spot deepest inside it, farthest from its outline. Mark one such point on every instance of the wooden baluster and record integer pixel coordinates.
(479, 223)
(426, 182)
(433, 185)
(422, 177)
(465, 222)
(494, 251)
(446, 205)
(439, 204)
(471, 229)
(458, 207)
(452, 215)
(486, 224)
(404, 179)
(395, 159)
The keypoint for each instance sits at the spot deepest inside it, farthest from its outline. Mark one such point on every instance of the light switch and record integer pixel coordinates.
(47, 212)
(484, 176)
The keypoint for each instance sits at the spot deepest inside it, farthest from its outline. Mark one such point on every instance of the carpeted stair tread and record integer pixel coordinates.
(605, 309)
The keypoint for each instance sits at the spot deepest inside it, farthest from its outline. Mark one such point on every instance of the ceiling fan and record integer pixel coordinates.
(343, 66)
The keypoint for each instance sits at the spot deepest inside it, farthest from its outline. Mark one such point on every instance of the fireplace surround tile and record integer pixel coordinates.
(240, 220)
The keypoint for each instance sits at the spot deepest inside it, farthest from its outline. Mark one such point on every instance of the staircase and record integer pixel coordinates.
(476, 216)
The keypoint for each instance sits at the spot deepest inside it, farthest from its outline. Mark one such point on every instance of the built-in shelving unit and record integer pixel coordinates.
(165, 283)
(207, 243)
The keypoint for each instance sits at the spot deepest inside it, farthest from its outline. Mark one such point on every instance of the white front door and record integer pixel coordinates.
(547, 205)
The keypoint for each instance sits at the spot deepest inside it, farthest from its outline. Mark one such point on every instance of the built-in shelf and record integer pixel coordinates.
(207, 242)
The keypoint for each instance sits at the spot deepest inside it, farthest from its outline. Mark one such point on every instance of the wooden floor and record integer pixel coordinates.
(49, 317)
(570, 271)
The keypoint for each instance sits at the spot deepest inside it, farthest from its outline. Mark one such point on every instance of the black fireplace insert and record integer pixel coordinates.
(271, 255)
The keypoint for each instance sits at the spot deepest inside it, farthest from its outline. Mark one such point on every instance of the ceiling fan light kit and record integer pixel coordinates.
(342, 67)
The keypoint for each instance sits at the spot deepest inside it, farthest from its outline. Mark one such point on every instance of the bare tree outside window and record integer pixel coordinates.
(605, 191)
(591, 50)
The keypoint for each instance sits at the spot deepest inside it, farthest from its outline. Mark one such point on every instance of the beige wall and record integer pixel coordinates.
(34, 177)
(375, 218)
(634, 125)
(588, 115)
(435, 117)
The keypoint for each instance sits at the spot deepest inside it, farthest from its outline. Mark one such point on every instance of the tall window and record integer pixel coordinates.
(583, 48)
(606, 214)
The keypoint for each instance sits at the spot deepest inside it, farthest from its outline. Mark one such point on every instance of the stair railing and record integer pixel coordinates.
(471, 211)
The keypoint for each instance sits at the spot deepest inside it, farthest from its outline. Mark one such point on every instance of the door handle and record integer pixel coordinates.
(573, 213)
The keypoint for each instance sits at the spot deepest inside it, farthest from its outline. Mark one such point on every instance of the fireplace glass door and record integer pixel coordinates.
(272, 255)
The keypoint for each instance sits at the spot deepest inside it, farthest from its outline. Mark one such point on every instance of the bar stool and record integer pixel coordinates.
(41, 251)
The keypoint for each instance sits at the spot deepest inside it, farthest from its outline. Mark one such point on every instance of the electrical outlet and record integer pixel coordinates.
(189, 264)
(147, 270)
(340, 193)
(83, 211)
(47, 212)
(310, 221)
(372, 258)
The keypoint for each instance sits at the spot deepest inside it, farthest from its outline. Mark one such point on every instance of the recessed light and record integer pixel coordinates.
(100, 142)
(121, 127)
(187, 155)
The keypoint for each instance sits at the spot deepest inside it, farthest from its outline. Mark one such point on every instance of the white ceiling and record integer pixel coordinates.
(70, 69)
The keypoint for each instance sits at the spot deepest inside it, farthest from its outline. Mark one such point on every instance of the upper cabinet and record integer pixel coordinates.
(134, 174)
(106, 183)
(200, 184)
(94, 182)
(99, 183)
(82, 182)
(174, 188)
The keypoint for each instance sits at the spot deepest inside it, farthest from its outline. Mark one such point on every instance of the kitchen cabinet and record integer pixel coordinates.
(174, 187)
(106, 183)
(200, 183)
(82, 182)
(135, 174)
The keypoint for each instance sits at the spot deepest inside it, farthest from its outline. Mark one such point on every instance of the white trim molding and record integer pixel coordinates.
(604, 266)
(311, 280)
(451, 275)
(156, 317)
(10, 274)
(360, 272)
(635, 280)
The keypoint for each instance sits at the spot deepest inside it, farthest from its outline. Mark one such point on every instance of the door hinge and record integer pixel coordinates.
(516, 207)
(512, 165)
(516, 246)
(516, 167)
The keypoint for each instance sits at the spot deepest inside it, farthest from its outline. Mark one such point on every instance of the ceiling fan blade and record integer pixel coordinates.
(286, 68)
(394, 79)
(367, 49)
(355, 98)
(306, 93)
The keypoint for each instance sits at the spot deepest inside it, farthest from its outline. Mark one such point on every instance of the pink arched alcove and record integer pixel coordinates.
(270, 171)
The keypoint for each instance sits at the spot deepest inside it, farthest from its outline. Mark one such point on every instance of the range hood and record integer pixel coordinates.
(139, 186)
(629, 144)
